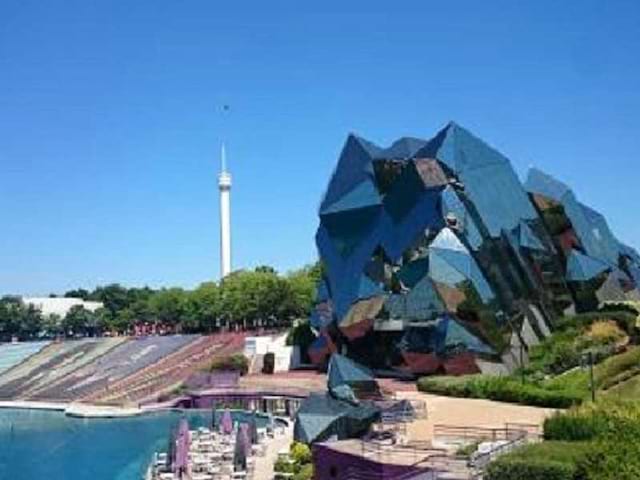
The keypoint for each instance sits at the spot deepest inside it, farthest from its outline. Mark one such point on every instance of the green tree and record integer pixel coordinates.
(114, 297)
(80, 321)
(78, 293)
(205, 306)
(19, 320)
(168, 306)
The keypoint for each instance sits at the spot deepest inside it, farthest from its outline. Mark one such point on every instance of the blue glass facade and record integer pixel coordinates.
(434, 248)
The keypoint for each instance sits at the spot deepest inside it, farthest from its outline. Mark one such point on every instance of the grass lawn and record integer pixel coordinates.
(626, 390)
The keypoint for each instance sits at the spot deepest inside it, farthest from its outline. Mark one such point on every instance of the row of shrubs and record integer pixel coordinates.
(591, 442)
(542, 461)
(503, 389)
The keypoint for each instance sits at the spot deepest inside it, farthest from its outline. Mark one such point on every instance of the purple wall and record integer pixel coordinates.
(330, 464)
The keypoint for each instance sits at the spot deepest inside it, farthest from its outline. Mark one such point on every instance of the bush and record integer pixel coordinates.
(467, 449)
(505, 469)
(604, 332)
(236, 362)
(541, 461)
(284, 466)
(613, 457)
(305, 472)
(625, 320)
(503, 389)
(300, 453)
(574, 426)
(614, 453)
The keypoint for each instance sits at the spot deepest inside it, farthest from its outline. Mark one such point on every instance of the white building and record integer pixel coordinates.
(285, 357)
(59, 305)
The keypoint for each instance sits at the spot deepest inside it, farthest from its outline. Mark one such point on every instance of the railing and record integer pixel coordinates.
(477, 433)
(506, 439)
(481, 460)
(533, 430)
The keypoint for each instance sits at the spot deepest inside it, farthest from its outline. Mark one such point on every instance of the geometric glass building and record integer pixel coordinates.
(438, 259)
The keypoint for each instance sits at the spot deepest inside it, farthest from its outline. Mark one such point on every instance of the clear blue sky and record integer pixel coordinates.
(110, 124)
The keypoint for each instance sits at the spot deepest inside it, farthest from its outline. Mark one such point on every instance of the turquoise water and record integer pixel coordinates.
(39, 445)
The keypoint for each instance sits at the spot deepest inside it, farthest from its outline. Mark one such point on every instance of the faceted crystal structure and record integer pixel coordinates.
(437, 259)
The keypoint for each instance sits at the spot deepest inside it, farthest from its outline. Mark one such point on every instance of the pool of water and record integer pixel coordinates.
(37, 444)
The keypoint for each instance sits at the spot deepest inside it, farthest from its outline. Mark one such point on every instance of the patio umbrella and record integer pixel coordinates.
(182, 446)
(173, 438)
(214, 422)
(246, 440)
(253, 429)
(227, 422)
(240, 453)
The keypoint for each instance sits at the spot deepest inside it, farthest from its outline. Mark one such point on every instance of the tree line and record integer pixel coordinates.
(245, 299)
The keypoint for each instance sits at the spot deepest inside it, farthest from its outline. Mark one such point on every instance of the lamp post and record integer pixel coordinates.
(587, 360)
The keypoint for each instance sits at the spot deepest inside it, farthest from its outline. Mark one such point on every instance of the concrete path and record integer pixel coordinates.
(469, 412)
(264, 465)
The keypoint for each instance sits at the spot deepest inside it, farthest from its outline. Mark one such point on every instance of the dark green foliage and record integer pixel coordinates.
(615, 456)
(301, 334)
(614, 433)
(245, 299)
(544, 461)
(520, 469)
(18, 320)
(80, 321)
(574, 426)
(555, 354)
(504, 389)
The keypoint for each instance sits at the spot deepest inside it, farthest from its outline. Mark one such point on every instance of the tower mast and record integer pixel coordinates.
(224, 185)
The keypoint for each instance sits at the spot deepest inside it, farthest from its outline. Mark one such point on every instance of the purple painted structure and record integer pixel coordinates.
(246, 443)
(183, 441)
(227, 422)
(242, 449)
(331, 464)
(207, 399)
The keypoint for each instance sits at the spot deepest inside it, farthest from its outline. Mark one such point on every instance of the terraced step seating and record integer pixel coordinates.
(12, 354)
(108, 370)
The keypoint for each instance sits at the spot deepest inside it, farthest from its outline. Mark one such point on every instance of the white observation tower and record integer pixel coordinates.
(224, 184)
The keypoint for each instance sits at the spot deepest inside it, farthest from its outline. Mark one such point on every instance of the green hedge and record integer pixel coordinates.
(541, 461)
(529, 470)
(503, 389)
(595, 421)
(574, 426)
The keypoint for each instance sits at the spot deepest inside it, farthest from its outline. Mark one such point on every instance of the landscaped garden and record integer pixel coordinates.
(588, 354)
(558, 374)
(593, 442)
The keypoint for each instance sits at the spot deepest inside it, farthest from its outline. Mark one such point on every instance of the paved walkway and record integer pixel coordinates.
(31, 405)
(264, 465)
(469, 412)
